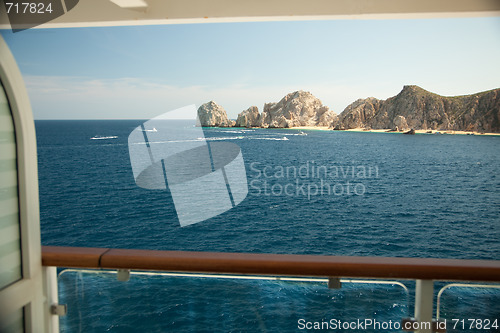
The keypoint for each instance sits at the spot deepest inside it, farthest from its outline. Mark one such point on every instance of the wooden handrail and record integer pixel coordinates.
(273, 264)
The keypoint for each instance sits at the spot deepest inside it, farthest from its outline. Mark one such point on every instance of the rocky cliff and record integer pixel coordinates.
(212, 114)
(299, 108)
(417, 108)
(248, 118)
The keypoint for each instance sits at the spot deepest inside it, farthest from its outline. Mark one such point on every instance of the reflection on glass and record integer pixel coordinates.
(469, 307)
(14, 323)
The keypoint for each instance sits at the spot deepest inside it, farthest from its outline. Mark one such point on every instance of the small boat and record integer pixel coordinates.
(98, 137)
(302, 133)
(285, 138)
(151, 130)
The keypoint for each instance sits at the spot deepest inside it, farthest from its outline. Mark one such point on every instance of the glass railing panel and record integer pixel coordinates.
(469, 307)
(160, 302)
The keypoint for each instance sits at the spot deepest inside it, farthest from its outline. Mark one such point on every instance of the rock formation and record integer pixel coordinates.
(400, 123)
(357, 114)
(248, 118)
(417, 108)
(212, 114)
(298, 108)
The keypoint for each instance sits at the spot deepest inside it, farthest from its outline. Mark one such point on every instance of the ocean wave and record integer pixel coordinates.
(168, 141)
(272, 139)
(99, 137)
(225, 138)
(221, 138)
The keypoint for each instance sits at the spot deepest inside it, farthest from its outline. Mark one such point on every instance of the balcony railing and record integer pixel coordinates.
(274, 264)
(331, 268)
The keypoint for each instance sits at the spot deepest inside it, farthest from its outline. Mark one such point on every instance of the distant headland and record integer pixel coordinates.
(413, 110)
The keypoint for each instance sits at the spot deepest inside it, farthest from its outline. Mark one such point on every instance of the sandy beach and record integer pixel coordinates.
(325, 128)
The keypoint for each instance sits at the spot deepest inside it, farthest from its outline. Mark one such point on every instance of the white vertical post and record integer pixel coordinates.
(424, 294)
(51, 298)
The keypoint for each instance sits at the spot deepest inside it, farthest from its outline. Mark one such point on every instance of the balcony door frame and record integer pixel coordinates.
(28, 292)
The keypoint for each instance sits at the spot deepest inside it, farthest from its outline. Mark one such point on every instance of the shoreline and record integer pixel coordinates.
(387, 130)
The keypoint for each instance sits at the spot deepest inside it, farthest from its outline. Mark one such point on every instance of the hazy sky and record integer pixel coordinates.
(141, 72)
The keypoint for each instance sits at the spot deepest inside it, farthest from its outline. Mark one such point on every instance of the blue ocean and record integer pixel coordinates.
(309, 192)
